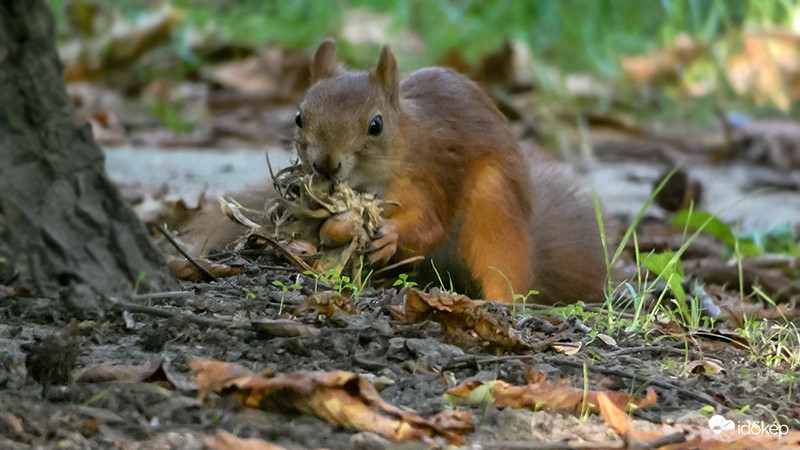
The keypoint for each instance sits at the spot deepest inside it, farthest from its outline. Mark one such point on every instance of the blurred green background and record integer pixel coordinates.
(573, 34)
(562, 37)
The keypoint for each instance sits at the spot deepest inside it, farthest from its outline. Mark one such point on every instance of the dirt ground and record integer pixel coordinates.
(413, 365)
(271, 358)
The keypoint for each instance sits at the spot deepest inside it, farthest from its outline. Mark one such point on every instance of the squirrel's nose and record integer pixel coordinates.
(327, 166)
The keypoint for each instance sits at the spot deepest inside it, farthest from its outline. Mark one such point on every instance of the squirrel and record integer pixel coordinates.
(460, 190)
(491, 220)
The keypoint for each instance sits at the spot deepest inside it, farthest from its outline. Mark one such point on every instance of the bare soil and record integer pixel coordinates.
(43, 339)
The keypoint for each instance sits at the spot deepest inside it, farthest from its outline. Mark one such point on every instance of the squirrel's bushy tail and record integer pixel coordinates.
(569, 263)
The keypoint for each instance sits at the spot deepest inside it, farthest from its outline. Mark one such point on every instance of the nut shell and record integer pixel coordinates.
(338, 230)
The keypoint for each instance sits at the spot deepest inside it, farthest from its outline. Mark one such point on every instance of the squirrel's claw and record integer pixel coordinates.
(384, 246)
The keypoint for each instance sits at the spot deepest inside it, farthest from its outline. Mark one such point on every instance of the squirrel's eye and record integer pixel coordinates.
(298, 121)
(376, 126)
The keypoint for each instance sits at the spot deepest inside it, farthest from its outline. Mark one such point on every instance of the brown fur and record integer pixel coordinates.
(491, 220)
(212, 230)
(469, 199)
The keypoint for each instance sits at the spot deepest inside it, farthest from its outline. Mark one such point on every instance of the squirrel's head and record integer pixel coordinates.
(347, 121)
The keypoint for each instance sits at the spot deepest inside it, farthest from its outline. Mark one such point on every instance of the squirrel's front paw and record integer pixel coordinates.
(383, 248)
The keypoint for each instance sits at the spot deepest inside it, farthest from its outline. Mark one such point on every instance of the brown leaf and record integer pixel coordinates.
(612, 414)
(330, 304)
(158, 371)
(767, 68)
(227, 441)
(608, 340)
(456, 420)
(705, 366)
(120, 46)
(341, 398)
(459, 314)
(701, 436)
(283, 328)
(183, 269)
(539, 394)
(14, 291)
(275, 75)
(122, 373)
(14, 423)
(665, 65)
(567, 348)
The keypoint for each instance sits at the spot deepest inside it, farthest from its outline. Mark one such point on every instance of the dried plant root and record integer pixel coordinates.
(330, 216)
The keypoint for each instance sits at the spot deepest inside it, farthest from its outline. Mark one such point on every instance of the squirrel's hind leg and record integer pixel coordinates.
(494, 239)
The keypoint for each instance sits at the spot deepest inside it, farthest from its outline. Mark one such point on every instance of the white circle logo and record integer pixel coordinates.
(718, 424)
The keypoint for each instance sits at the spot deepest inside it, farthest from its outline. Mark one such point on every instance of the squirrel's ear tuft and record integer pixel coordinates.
(324, 65)
(387, 76)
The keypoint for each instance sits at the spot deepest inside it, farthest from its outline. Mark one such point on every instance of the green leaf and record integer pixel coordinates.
(779, 239)
(705, 221)
(667, 266)
(747, 247)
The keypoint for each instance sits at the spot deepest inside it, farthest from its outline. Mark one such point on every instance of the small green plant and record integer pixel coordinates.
(99, 396)
(521, 298)
(247, 294)
(139, 280)
(612, 318)
(169, 115)
(357, 287)
(402, 280)
(285, 289)
(668, 364)
(585, 405)
(706, 410)
(452, 290)
(315, 276)
(790, 378)
(340, 284)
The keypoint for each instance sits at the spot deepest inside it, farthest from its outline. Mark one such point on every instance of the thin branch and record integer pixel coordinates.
(207, 276)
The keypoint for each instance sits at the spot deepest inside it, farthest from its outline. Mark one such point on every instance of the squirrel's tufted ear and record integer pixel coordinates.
(324, 65)
(386, 75)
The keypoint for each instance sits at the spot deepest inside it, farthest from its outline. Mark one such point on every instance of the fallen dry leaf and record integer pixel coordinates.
(14, 423)
(338, 397)
(157, 371)
(122, 373)
(608, 340)
(182, 269)
(567, 348)
(665, 65)
(227, 441)
(613, 414)
(278, 74)
(283, 328)
(705, 366)
(121, 46)
(767, 68)
(702, 437)
(538, 394)
(459, 314)
(330, 304)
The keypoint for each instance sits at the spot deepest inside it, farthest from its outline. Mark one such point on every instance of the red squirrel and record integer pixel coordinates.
(465, 196)
(459, 188)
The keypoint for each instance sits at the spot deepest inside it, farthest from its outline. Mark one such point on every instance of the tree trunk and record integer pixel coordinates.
(62, 221)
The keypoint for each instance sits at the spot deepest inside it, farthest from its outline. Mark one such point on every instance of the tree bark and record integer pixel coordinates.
(62, 221)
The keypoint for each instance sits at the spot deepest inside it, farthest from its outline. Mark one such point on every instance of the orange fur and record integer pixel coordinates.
(469, 200)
